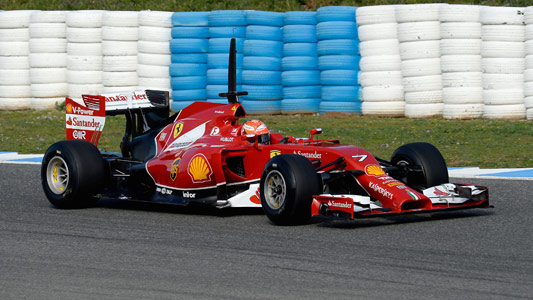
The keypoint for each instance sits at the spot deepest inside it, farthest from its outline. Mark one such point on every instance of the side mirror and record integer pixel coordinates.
(313, 132)
(316, 131)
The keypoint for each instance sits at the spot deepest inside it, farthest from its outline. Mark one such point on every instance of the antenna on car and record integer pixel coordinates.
(232, 93)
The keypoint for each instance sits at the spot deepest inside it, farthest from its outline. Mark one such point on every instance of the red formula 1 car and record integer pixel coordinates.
(203, 154)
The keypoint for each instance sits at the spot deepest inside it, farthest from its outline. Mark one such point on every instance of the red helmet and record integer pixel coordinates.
(256, 128)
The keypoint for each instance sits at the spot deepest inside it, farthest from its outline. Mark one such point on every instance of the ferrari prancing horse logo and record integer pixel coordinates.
(274, 153)
(177, 129)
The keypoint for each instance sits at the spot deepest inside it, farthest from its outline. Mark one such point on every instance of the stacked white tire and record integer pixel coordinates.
(461, 66)
(48, 59)
(154, 41)
(263, 43)
(419, 36)
(15, 88)
(503, 52)
(528, 74)
(120, 32)
(84, 53)
(189, 44)
(380, 77)
(300, 77)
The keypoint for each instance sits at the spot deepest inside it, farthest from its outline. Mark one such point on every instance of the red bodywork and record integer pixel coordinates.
(203, 156)
(192, 154)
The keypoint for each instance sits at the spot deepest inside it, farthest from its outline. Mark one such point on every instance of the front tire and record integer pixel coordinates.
(287, 185)
(425, 157)
(72, 174)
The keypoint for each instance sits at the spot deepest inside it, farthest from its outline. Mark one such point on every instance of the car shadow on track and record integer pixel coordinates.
(405, 219)
(191, 209)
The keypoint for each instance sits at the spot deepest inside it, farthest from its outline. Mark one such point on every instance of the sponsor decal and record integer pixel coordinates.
(340, 204)
(235, 131)
(413, 195)
(379, 189)
(81, 111)
(374, 170)
(174, 169)
(178, 128)
(199, 169)
(226, 139)
(234, 108)
(163, 191)
(162, 136)
(79, 135)
(438, 192)
(309, 155)
(189, 195)
(187, 138)
(219, 112)
(215, 131)
(391, 184)
(256, 198)
(124, 97)
(360, 158)
(84, 122)
(274, 153)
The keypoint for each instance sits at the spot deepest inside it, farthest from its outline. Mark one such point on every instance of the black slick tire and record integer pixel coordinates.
(287, 185)
(72, 174)
(424, 156)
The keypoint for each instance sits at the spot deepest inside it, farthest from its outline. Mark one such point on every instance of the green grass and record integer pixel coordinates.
(207, 5)
(479, 142)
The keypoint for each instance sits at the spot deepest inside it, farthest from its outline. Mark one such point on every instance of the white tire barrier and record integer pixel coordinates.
(503, 51)
(47, 30)
(14, 62)
(417, 12)
(48, 58)
(528, 62)
(375, 15)
(380, 78)
(459, 13)
(497, 15)
(15, 81)
(461, 61)
(120, 33)
(419, 34)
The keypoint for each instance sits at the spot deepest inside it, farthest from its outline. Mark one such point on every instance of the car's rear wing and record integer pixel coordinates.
(85, 121)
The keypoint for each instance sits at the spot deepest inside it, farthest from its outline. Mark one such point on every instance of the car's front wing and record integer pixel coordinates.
(443, 197)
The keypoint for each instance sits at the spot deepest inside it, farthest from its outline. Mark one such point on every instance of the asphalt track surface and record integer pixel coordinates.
(124, 250)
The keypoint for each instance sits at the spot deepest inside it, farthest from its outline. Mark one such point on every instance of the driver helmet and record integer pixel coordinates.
(256, 128)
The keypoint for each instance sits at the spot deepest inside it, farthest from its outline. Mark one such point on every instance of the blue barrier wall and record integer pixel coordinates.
(293, 62)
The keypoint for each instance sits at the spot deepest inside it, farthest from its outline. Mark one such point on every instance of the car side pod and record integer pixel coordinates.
(444, 197)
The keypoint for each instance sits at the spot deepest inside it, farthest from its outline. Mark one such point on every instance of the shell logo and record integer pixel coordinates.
(374, 170)
(177, 129)
(68, 108)
(199, 169)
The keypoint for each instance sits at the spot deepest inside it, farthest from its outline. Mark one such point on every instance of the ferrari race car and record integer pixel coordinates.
(203, 154)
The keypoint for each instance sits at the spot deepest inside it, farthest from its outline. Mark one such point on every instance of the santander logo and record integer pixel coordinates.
(333, 203)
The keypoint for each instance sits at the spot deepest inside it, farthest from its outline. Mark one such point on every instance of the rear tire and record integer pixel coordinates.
(72, 174)
(287, 185)
(424, 155)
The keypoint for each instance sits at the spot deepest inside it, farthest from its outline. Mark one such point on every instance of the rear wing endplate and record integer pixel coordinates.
(85, 121)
